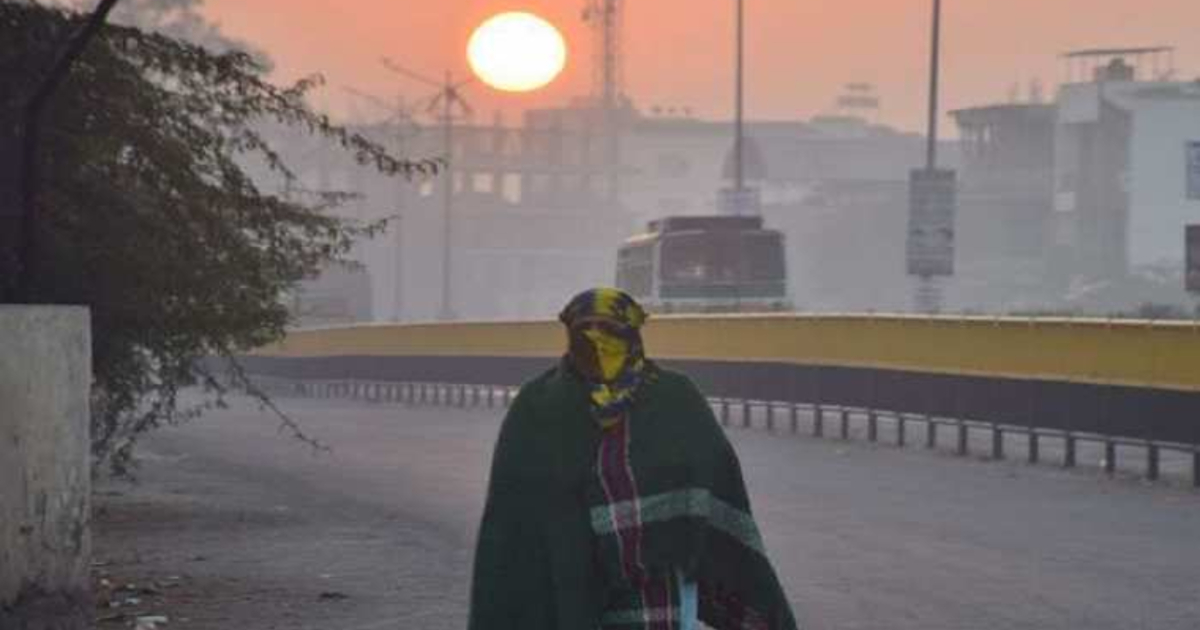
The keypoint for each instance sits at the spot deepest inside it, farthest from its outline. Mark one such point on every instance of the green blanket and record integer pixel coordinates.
(553, 549)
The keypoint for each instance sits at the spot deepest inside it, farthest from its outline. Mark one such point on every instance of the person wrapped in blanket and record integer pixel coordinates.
(615, 501)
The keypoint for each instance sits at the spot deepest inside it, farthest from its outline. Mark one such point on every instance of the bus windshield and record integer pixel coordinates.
(712, 258)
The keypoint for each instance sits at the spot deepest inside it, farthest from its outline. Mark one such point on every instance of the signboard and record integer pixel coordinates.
(1193, 170)
(740, 203)
(932, 198)
(1192, 268)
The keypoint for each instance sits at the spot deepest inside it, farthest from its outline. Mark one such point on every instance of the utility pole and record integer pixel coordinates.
(932, 191)
(739, 134)
(447, 97)
(934, 77)
(446, 312)
(27, 252)
(400, 116)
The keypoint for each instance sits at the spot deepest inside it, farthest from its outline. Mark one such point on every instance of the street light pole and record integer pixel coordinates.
(934, 75)
(448, 93)
(928, 297)
(27, 253)
(739, 180)
(446, 312)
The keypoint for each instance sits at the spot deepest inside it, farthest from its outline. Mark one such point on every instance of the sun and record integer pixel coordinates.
(516, 52)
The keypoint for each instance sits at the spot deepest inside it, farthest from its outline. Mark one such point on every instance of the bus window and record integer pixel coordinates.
(700, 258)
(764, 258)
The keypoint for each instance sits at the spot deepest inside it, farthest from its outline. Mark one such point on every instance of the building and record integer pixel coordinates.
(1080, 203)
(539, 211)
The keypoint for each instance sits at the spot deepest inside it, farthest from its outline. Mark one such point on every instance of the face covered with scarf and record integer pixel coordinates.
(606, 348)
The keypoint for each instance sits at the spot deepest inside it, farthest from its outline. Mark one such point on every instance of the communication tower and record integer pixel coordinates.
(605, 17)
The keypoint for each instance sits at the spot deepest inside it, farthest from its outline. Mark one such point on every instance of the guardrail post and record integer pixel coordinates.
(872, 425)
(770, 416)
(1034, 455)
(462, 396)
(818, 421)
(901, 427)
(746, 418)
(845, 430)
(491, 396)
(1110, 457)
(507, 396)
(725, 411)
(997, 442)
(930, 432)
(1069, 450)
(1152, 462)
(962, 438)
(795, 418)
(1196, 469)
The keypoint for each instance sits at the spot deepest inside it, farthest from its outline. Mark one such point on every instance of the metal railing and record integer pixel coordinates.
(817, 420)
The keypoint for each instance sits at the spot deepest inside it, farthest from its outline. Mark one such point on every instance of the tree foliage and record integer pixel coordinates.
(148, 215)
(182, 19)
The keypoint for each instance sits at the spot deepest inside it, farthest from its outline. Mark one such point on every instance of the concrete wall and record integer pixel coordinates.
(45, 376)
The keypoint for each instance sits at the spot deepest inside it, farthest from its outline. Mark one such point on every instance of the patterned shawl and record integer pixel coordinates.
(660, 517)
(586, 528)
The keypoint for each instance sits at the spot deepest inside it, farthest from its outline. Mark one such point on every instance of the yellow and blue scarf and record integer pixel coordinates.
(616, 348)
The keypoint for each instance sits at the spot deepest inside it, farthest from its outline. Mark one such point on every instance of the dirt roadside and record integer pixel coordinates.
(205, 545)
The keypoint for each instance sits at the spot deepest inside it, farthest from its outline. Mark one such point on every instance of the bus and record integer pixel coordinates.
(705, 264)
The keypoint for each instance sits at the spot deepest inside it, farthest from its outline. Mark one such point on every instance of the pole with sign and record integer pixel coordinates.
(930, 245)
(932, 199)
(1193, 170)
(1192, 264)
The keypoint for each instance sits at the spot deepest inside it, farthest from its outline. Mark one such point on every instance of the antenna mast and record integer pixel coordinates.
(605, 18)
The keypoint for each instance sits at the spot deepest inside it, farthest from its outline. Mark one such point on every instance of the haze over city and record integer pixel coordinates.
(678, 52)
(520, 320)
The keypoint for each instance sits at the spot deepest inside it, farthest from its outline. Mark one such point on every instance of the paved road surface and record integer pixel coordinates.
(863, 537)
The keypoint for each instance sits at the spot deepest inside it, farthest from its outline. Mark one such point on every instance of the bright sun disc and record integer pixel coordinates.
(516, 52)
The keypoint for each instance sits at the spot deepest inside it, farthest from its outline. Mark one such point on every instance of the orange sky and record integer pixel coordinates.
(798, 53)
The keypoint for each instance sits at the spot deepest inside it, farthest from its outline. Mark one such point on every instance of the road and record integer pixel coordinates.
(378, 533)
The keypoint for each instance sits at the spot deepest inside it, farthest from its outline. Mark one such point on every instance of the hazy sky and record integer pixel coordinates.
(678, 52)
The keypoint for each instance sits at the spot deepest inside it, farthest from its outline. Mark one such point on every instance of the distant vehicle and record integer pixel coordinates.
(339, 295)
(705, 264)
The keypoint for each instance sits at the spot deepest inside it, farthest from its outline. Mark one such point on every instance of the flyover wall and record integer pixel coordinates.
(1118, 381)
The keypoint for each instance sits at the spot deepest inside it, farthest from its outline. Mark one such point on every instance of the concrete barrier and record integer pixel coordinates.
(45, 377)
